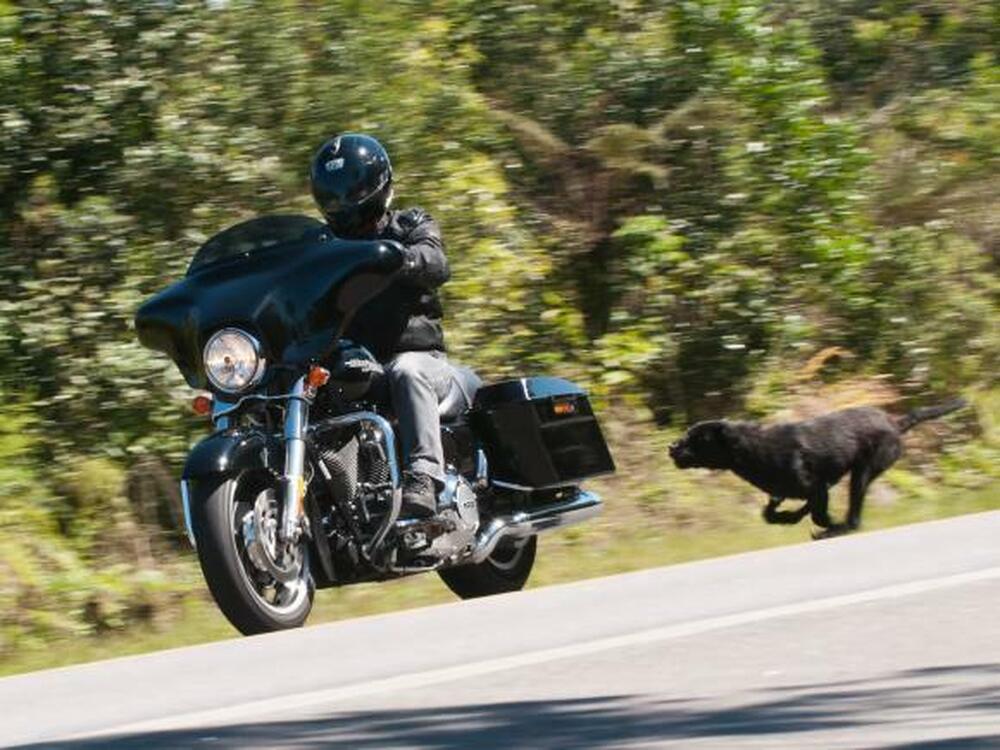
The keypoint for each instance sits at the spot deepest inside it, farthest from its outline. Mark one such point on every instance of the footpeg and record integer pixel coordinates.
(418, 533)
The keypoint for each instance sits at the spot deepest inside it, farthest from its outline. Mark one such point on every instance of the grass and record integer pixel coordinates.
(605, 547)
(654, 515)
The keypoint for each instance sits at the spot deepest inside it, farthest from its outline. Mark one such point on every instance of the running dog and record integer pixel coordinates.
(803, 460)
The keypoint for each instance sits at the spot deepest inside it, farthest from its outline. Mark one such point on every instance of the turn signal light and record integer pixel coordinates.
(562, 408)
(202, 405)
(318, 376)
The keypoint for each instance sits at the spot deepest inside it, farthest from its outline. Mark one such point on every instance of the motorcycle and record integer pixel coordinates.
(297, 488)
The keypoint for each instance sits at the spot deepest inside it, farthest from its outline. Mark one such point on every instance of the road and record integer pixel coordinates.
(886, 639)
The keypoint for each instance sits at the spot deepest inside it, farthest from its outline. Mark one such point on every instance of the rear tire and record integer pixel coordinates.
(234, 583)
(504, 571)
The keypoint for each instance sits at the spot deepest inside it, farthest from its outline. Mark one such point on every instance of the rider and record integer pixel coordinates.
(351, 181)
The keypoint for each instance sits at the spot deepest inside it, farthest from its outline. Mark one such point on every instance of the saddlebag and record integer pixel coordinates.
(539, 433)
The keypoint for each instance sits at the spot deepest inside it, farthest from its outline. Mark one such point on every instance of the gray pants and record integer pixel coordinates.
(419, 382)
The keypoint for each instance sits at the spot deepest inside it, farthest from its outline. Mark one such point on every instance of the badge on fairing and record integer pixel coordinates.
(334, 164)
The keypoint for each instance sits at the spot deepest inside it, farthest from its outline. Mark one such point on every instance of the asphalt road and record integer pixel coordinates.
(885, 639)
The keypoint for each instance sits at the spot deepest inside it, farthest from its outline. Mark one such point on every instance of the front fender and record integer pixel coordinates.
(218, 457)
(231, 452)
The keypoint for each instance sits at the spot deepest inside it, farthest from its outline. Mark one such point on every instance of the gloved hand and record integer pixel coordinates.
(393, 256)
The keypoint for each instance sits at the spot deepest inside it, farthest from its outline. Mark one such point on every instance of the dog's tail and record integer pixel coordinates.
(917, 416)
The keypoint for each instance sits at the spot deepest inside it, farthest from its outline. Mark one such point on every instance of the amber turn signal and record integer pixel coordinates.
(318, 376)
(562, 408)
(202, 405)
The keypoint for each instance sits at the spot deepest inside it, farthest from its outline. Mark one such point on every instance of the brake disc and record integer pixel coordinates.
(280, 560)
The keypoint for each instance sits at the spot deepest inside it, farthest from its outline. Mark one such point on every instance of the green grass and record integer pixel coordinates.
(654, 515)
(612, 544)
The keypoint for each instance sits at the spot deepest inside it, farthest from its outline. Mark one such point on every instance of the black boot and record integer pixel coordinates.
(419, 496)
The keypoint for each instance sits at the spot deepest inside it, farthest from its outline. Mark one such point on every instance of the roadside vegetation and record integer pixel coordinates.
(719, 208)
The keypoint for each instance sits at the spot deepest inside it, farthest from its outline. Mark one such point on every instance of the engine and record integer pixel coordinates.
(356, 474)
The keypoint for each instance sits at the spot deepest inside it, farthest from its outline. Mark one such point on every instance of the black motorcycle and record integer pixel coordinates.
(298, 486)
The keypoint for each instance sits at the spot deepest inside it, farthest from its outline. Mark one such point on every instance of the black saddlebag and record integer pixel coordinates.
(539, 433)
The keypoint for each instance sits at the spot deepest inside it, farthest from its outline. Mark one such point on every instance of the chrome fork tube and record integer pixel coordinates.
(293, 482)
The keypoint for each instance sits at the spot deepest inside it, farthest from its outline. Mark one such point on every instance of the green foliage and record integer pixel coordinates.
(66, 564)
(676, 203)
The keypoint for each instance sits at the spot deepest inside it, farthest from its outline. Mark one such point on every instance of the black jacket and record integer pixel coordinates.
(406, 316)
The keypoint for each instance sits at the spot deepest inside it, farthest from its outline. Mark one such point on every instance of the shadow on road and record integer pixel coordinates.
(780, 713)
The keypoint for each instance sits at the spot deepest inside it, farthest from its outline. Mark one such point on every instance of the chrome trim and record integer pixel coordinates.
(231, 407)
(186, 501)
(408, 569)
(482, 469)
(388, 437)
(583, 506)
(296, 421)
(512, 486)
(445, 497)
(220, 414)
(261, 361)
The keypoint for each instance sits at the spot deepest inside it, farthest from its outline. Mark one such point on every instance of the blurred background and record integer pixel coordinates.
(696, 209)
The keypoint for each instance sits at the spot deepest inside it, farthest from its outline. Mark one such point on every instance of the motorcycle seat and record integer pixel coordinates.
(464, 384)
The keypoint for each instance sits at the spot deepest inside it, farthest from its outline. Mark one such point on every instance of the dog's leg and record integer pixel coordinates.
(819, 507)
(821, 517)
(860, 479)
(773, 515)
(885, 455)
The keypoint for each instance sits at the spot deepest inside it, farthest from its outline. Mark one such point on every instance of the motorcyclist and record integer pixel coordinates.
(351, 179)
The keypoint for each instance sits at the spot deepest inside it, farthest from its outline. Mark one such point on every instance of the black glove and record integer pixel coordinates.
(393, 256)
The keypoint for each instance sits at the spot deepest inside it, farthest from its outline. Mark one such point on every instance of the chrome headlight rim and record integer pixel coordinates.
(261, 362)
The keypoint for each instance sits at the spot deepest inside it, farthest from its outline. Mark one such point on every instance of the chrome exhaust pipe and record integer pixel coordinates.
(581, 507)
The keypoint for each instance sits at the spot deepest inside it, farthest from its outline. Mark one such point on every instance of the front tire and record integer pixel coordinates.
(505, 570)
(251, 601)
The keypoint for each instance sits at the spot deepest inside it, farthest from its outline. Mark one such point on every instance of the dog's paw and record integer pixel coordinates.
(771, 514)
(829, 533)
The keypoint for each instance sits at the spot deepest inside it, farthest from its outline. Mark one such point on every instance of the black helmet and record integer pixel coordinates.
(352, 182)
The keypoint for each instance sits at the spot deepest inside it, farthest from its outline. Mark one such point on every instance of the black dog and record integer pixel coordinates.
(803, 460)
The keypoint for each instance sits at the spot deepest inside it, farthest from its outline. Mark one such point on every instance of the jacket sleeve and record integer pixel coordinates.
(425, 264)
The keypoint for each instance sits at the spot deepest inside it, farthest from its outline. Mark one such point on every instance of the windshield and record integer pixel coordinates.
(256, 235)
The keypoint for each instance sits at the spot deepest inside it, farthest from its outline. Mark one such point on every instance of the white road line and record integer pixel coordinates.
(282, 704)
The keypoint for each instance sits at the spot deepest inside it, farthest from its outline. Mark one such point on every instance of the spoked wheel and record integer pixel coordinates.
(505, 570)
(259, 583)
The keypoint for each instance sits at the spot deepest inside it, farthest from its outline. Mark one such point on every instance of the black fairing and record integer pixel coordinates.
(281, 278)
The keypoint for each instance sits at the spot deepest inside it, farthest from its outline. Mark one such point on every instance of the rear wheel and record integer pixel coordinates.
(259, 584)
(505, 570)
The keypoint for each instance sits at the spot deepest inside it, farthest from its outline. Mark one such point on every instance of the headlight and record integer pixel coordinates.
(232, 360)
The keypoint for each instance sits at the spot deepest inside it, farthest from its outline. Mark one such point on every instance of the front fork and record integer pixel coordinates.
(294, 482)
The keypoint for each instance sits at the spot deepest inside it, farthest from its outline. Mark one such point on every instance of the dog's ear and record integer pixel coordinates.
(702, 432)
(717, 430)
(734, 437)
(719, 433)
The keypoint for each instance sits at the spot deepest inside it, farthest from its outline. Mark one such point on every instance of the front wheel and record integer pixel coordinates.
(505, 570)
(259, 584)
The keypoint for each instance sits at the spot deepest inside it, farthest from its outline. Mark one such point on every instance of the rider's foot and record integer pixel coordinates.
(419, 496)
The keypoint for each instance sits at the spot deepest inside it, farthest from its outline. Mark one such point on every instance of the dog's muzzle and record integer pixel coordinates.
(681, 454)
